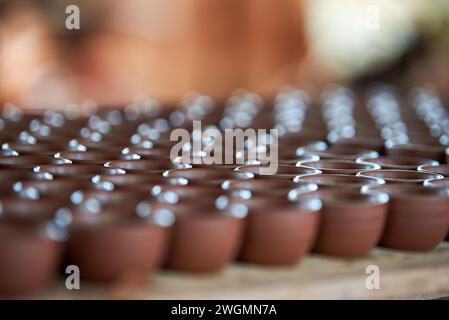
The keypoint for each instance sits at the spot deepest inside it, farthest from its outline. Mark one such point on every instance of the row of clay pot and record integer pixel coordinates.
(270, 229)
(129, 210)
(105, 242)
(347, 149)
(339, 174)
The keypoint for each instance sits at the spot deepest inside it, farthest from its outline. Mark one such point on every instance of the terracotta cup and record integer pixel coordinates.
(398, 162)
(28, 161)
(148, 153)
(89, 157)
(293, 159)
(9, 176)
(287, 172)
(29, 210)
(340, 181)
(131, 179)
(110, 145)
(29, 259)
(346, 153)
(61, 188)
(351, 222)
(400, 176)
(219, 162)
(174, 193)
(113, 248)
(337, 166)
(418, 217)
(203, 238)
(437, 183)
(140, 166)
(120, 201)
(280, 233)
(260, 186)
(31, 236)
(442, 169)
(41, 148)
(206, 176)
(74, 171)
(370, 143)
(434, 152)
(303, 143)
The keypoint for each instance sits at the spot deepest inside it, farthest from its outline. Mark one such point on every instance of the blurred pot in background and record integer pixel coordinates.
(156, 47)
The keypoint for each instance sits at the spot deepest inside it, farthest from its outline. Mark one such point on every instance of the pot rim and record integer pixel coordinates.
(369, 180)
(423, 161)
(55, 228)
(279, 175)
(436, 176)
(358, 152)
(430, 183)
(428, 168)
(239, 174)
(411, 191)
(374, 198)
(305, 162)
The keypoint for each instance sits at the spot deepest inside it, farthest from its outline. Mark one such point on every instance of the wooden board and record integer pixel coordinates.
(402, 275)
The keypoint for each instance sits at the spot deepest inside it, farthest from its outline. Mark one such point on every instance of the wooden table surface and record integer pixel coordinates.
(402, 275)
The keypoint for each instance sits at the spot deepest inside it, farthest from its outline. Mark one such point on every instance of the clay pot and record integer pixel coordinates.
(123, 200)
(147, 153)
(418, 217)
(29, 259)
(280, 234)
(113, 144)
(398, 162)
(111, 247)
(293, 159)
(442, 169)
(351, 223)
(434, 152)
(129, 180)
(400, 176)
(58, 188)
(74, 171)
(113, 139)
(370, 143)
(41, 148)
(206, 162)
(203, 238)
(338, 166)
(339, 181)
(346, 153)
(185, 193)
(206, 176)
(28, 161)
(423, 138)
(29, 211)
(140, 166)
(287, 172)
(9, 176)
(286, 156)
(89, 157)
(260, 186)
(438, 183)
(306, 144)
(317, 129)
(31, 236)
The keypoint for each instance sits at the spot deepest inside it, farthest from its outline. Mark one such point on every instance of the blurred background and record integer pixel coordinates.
(165, 49)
